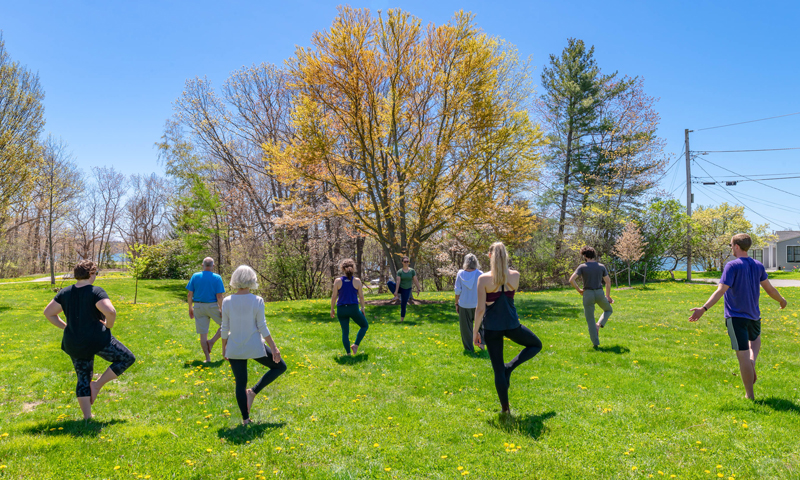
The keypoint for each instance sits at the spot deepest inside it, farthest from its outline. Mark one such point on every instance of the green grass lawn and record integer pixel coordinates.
(662, 398)
(781, 274)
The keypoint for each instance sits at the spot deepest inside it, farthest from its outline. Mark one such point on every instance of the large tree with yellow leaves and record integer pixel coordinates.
(412, 130)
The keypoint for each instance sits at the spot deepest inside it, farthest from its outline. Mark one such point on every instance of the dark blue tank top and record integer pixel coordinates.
(348, 295)
(502, 314)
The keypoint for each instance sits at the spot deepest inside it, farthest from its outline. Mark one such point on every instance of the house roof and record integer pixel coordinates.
(787, 235)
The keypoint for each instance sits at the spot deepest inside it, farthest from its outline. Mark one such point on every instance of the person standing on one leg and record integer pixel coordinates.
(87, 332)
(406, 278)
(466, 289)
(498, 315)
(593, 274)
(205, 304)
(244, 331)
(739, 285)
(347, 292)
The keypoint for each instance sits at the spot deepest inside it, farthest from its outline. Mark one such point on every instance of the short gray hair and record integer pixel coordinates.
(244, 277)
(208, 262)
(471, 261)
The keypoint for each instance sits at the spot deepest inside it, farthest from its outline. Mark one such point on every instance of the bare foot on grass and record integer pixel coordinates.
(354, 348)
(251, 395)
(95, 389)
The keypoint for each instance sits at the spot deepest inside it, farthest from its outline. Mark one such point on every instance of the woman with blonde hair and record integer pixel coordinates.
(346, 297)
(498, 316)
(244, 331)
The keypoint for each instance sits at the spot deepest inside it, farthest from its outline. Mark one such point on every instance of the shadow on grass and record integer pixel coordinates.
(246, 433)
(618, 349)
(200, 363)
(779, 404)
(3, 308)
(539, 309)
(531, 425)
(351, 359)
(478, 353)
(73, 428)
(177, 291)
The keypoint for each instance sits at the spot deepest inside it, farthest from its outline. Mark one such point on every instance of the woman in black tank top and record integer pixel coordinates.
(498, 315)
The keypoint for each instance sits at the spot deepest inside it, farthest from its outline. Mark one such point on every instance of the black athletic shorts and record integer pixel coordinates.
(742, 331)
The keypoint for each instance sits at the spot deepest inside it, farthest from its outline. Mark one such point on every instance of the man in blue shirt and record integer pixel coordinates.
(739, 286)
(205, 304)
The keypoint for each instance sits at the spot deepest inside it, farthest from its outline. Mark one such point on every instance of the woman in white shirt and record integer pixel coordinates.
(466, 290)
(244, 330)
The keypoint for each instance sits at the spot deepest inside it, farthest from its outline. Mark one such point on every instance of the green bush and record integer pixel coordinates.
(168, 259)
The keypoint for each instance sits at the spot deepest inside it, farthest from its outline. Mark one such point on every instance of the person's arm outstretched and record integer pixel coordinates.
(773, 293)
(698, 312)
(335, 295)
(51, 313)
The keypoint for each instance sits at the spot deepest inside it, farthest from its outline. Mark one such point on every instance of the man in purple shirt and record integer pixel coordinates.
(739, 285)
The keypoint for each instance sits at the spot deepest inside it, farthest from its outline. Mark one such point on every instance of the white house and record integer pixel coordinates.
(782, 254)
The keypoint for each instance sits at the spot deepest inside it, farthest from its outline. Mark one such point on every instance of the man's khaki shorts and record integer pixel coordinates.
(203, 314)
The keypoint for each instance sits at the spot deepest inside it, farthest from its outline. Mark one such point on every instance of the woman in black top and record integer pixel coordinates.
(87, 332)
(498, 315)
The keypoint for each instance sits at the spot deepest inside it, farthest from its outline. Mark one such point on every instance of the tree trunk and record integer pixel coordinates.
(136, 291)
(629, 274)
(360, 239)
(565, 192)
(644, 281)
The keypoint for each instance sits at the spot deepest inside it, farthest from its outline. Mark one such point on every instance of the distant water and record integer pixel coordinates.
(667, 264)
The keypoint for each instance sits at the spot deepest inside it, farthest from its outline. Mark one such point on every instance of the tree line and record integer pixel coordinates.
(385, 137)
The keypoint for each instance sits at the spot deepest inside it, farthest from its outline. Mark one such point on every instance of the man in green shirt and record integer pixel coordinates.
(406, 277)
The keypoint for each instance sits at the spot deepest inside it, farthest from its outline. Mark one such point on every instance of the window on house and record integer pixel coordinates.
(793, 254)
(758, 254)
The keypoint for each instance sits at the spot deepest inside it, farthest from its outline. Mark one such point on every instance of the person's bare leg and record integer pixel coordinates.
(755, 349)
(204, 346)
(86, 406)
(214, 339)
(95, 386)
(747, 371)
(251, 395)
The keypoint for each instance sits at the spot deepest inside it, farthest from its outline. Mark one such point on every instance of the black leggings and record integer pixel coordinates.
(502, 371)
(118, 354)
(239, 368)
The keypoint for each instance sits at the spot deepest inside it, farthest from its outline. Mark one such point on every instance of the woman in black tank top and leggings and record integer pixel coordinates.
(497, 314)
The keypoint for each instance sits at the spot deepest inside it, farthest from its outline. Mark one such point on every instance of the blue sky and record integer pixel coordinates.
(111, 70)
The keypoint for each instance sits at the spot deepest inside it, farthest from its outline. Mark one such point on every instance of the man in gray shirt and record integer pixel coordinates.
(593, 274)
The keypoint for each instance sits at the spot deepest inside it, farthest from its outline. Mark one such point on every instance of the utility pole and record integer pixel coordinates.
(688, 209)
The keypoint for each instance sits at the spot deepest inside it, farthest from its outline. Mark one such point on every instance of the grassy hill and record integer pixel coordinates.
(661, 399)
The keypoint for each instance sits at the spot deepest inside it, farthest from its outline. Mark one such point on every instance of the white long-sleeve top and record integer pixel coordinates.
(467, 288)
(244, 326)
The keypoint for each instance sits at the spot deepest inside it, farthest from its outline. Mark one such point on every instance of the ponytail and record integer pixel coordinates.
(348, 267)
(499, 263)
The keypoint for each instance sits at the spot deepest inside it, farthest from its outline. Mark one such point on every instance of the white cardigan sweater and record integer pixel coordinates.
(244, 326)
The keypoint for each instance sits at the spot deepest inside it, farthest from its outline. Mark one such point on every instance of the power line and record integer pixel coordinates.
(752, 150)
(673, 163)
(745, 176)
(749, 121)
(760, 179)
(755, 175)
(736, 200)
